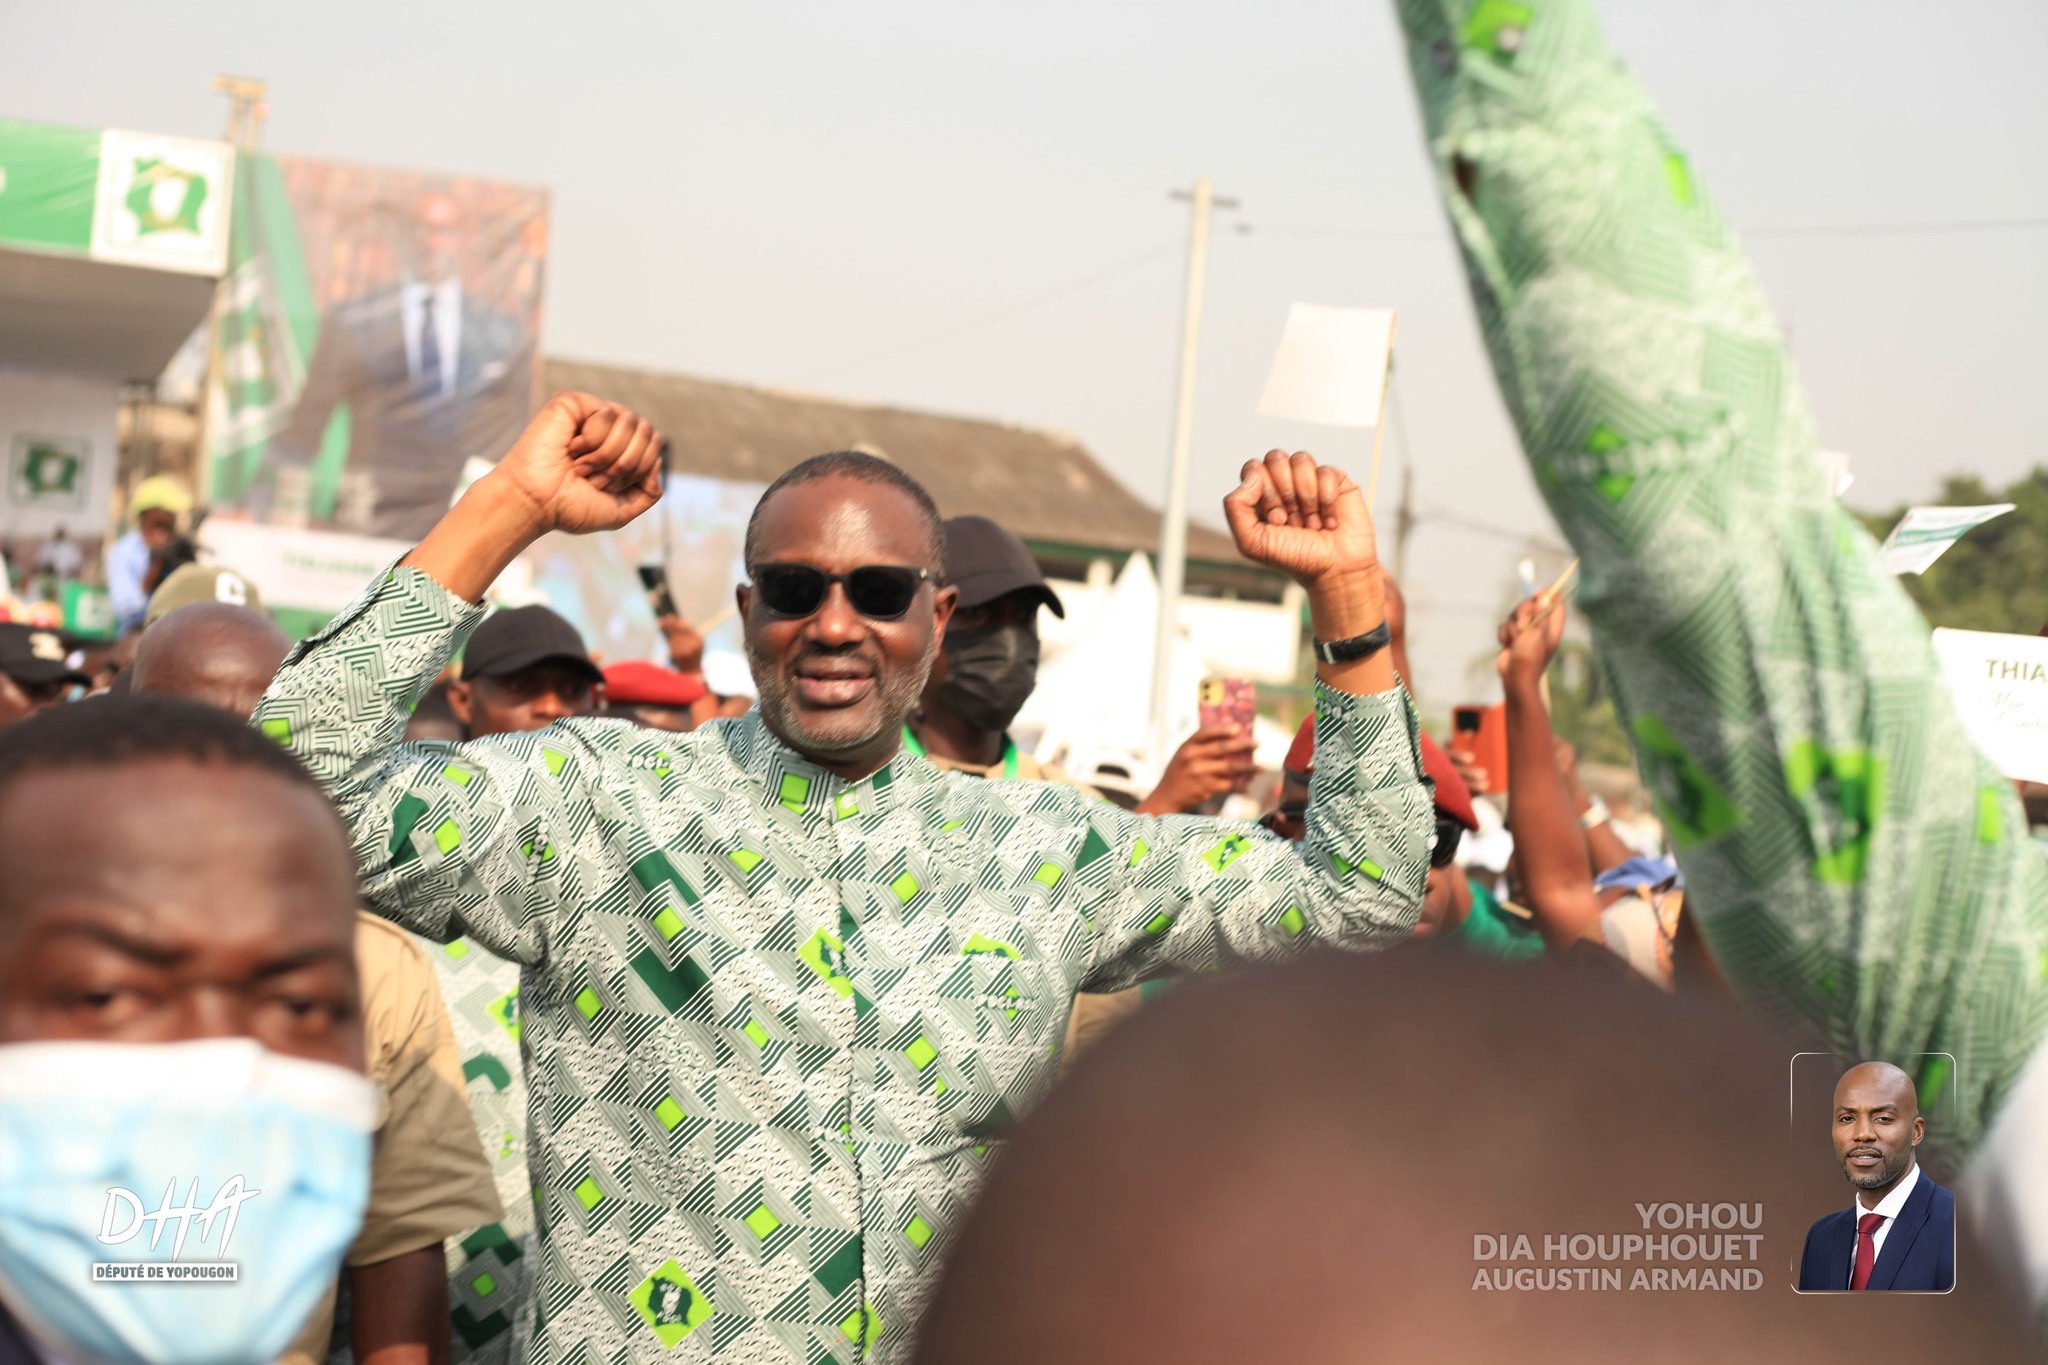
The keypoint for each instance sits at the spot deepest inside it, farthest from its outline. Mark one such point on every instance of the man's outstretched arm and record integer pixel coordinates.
(1191, 894)
(460, 840)
(1855, 863)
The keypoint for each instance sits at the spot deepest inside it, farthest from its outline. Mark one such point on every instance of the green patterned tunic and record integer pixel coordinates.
(1856, 863)
(773, 1020)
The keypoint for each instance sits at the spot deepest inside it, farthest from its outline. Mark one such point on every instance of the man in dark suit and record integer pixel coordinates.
(431, 376)
(1900, 1233)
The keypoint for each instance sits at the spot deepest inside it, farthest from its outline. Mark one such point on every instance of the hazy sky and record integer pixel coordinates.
(796, 194)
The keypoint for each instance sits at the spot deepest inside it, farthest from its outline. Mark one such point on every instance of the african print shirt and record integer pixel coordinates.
(772, 1021)
(489, 1268)
(1855, 863)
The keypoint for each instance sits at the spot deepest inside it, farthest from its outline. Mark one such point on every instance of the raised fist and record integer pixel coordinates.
(1304, 519)
(584, 464)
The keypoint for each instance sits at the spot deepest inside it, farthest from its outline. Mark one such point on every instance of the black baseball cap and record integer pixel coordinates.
(33, 657)
(521, 637)
(986, 562)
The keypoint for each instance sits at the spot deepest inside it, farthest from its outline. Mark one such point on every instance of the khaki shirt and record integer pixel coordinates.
(1094, 1015)
(428, 1176)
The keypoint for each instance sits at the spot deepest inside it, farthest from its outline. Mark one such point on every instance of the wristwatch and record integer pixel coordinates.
(1357, 647)
(1595, 814)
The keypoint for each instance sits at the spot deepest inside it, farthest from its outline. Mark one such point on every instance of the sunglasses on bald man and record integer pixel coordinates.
(880, 592)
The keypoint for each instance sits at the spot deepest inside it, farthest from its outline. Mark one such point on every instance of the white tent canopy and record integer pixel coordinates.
(1094, 693)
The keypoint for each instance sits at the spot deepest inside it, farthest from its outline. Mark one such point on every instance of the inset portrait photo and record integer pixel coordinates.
(1897, 1231)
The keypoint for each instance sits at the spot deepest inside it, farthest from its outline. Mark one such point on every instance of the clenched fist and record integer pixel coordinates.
(584, 464)
(1304, 519)
(581, 465)
(1530, 636)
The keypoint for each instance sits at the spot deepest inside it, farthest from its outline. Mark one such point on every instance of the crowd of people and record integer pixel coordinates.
(496, 1002)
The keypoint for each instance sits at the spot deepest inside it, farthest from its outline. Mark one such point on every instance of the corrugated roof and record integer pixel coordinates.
(1042, 485)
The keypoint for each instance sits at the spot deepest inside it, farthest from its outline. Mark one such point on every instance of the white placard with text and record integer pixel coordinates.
(2000, 684)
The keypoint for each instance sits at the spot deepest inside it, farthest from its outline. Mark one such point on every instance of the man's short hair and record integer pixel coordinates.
(113, 732)
(864, 468)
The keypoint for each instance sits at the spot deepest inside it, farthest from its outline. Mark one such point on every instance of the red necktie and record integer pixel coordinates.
(1866, 1248)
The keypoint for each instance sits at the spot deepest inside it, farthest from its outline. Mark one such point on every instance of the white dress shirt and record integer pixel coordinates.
(1889, 1206)
(447, 326)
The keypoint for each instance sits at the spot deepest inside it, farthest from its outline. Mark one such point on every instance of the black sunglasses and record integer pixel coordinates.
(1448, 833)
(880, 592)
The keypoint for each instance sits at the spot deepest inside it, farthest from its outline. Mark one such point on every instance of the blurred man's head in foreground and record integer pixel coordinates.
(180, 1019)
(1297, 1165)
(172, 874)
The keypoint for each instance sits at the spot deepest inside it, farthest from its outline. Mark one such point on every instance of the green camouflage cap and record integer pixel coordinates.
(201, 583)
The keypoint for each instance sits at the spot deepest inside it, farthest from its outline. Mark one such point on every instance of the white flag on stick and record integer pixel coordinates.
(1332, 366)
(1924, 533)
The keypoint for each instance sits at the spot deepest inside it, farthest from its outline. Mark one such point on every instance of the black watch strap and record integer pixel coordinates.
(1357, 647)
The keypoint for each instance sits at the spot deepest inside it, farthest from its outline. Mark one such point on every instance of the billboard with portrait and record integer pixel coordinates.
(377, 330)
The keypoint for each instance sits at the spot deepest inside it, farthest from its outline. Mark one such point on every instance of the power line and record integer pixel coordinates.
(1966, 225)
(1357, 235)
(1052, 295)
(1526, 538)
(1902, 229)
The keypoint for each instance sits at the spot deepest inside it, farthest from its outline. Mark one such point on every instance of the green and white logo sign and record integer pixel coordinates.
(164, 197)
(49, 473)
(163, 202)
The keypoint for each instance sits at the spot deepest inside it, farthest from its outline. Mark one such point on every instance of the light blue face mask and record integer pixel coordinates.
(97, 1139)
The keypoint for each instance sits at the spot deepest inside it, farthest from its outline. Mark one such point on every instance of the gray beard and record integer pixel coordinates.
(900, 696)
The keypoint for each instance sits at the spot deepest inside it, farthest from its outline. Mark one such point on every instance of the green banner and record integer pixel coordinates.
(268, 322)
(48, 179)
(140, 199)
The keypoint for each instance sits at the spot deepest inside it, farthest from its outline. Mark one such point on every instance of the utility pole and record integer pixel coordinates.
(1173, 527)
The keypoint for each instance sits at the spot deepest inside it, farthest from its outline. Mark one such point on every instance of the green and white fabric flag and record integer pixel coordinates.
(268, 322)
(1855, 862)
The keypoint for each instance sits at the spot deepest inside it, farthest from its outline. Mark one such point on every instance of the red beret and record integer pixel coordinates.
(635, 683)
(1453, 797)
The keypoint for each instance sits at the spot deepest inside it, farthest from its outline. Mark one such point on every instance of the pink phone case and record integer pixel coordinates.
(1228, 701)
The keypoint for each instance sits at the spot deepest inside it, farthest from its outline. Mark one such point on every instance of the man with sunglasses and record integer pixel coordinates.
(784, 984)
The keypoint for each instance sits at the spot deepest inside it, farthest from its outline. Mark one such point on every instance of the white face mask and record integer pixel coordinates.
(98, 1141)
